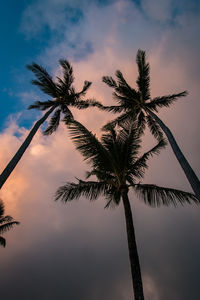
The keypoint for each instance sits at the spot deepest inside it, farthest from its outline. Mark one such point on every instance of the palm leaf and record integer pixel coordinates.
(86, 86)
(2, 241)
(87, 143)
(123, 87)
(42, 105)
(141, 122)
(1, 208)
(127, 101)
(138, 167)
(129, 140)
(5, 219)
(53, 123)
(154, 195)
(123, 93)
(143, 80)
(113, 108)
(109, 81)
(89, 189)
(123, 118)
(154, 128)
(83, 104)
(67, 73)
(101, 175)
(164, 101)
(68, 117)
(7, 226)
(109, 141)
(113, 198)
(44, 80)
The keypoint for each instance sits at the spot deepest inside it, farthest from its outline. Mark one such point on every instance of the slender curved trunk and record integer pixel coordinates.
(132, 247)
(189, 172)
(14, 161)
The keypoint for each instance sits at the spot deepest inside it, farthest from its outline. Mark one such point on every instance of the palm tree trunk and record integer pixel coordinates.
(189, 172)
(14, 161)
(132, 247)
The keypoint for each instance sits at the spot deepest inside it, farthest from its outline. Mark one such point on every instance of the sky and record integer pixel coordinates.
(79, 250)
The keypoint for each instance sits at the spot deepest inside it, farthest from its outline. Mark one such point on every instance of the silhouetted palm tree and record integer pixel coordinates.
(117, 167)
(6, 223)
(63, 96)
(138, 104)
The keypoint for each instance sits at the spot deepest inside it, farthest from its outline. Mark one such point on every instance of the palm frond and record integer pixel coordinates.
(122, 82)
(109, 141)
(143, 80)
(86, 86)
(89, 189)
(42, 105)
(154, 195)
(5, 219)
(109, 204)
(138, 167)
(94, 172)
(141, 122)
(53, 123)
(109, 136)
(2, 209)
(154, 128)
(128, 132)
(129, 141)
(68, 77)
(66, 111)
(113, 108)
(109, 81)
(123, 90)
(126, 97)
(113, 198)
(44, 80)
(83, 104)
(8, 226)
(87, 143)
(101, 175)
(123, 93)
(125, 101)
(164, 101)
(123, 118)
(68, 116)
(2, 241)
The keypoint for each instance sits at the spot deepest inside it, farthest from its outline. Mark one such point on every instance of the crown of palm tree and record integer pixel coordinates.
(62, 93)
(117, 166)
(138, 106)
(116, 163)
(137, 102)
(6, 223)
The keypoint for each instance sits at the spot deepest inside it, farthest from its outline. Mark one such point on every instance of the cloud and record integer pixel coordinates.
(159, 11)
(59, 14)
(79, 250)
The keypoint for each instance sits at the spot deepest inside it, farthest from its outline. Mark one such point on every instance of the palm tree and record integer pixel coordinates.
(6, 223)
(138, 104)
(117, 167)
(63, 95)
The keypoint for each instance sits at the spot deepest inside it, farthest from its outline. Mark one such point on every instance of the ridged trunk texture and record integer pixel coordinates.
(189, 172)
(14, 161)
(132, 247)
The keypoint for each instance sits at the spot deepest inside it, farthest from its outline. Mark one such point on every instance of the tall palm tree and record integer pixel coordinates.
(138, 104)
(117, 167)
(63, 95)
(6, 223)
